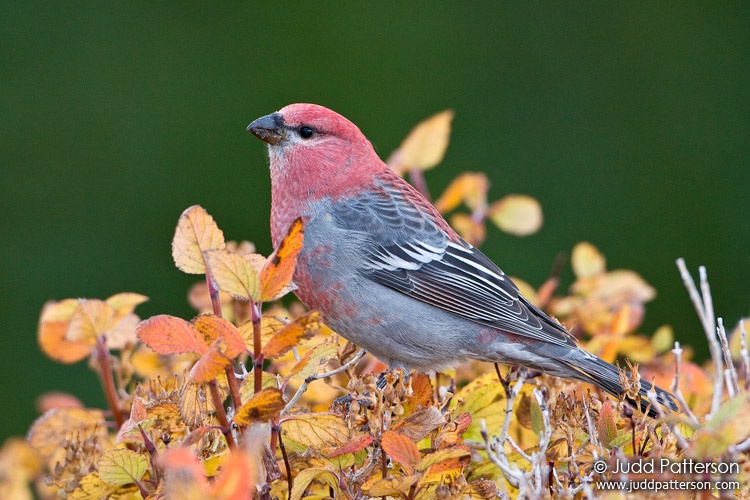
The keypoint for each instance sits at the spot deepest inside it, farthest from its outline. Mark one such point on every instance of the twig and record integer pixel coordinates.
(730, 373)
(257, 351)
(681, 442)
(498, 457)
(704, 307)
(107, 379)
(675, 387)
(744, 356)
(312, 378)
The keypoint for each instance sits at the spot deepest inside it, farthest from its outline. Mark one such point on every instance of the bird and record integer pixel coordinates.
(388, 273)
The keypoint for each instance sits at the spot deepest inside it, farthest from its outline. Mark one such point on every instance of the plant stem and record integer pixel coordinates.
(108, 381)
(226, 426)
(258, 355)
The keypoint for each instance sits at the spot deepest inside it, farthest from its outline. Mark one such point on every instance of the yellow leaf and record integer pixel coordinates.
(247, 389)
(125, 303)
(401, 449)
(517, 214)
(316, 430)
(262, 407)
(377, 486)
(121, 466)
(425, 145)
(313, 361)
(278, 270)
(307, 476)
(663, 339)
(290, 335)
(443, 455)
(483, 398)
(587, 261)
(470, 188)
(233, 274)
(196, 233)
(91, 487)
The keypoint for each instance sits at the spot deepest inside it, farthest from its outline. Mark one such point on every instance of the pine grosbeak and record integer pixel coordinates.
(387, 272)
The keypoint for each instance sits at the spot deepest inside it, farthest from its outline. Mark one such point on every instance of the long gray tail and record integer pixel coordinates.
(596, 371)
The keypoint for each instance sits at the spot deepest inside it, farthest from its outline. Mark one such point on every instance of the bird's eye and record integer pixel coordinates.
(305, 132)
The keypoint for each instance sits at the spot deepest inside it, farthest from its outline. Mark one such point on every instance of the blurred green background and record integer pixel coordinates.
(630, 123)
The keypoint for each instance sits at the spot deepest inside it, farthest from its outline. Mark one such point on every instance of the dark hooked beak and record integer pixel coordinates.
(269, 128)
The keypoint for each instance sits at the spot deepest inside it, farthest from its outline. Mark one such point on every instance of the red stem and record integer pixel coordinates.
(108, 380)
(258, 359)
(226, 427)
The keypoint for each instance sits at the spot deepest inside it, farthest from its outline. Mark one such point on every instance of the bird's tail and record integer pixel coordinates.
(607, 376)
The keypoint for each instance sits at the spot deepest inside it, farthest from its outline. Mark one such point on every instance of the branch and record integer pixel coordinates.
(704, 307)
(312, 378)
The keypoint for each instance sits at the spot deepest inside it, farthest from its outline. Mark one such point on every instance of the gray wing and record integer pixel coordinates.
(446, 273)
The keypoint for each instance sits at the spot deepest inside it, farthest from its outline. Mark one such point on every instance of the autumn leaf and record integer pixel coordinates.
(262, 407)
(184, 476)
(213, 327)
(377, 486)
(469, 188)
(517, 214)
(290, 335)
(195, 234)
(316, 430)
(417, 425)
(233, 274)
(401, 449)
(352, 446)
(313, 361)
(211, 363)
(52, 331)
(307, 476)
(425, 145)
(170, 335)
(278, 270)
(587, 261)
(471, 230)
(121, 466)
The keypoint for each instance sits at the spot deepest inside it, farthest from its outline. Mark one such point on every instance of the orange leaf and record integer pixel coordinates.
(352, 446)
(425, 145)
(284, 340)
(184, 475)
(606, 425)
(401, 449)
(214, 327)
(196, 233)
(278, 270)
(517, 214)
(90, 320)
(237, 479)
(52, 341)
(470, 188)
(422, 391)
(211, 363)
(170, 335)
(262, 407)
(233, 274)
(472, 231)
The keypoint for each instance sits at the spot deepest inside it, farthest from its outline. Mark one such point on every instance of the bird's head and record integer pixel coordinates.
(314, 148)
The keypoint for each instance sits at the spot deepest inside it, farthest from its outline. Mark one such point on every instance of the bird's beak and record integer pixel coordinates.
(269, 128)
